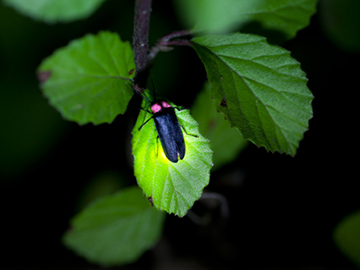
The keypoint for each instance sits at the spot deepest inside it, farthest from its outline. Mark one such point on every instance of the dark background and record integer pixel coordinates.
(282, 209)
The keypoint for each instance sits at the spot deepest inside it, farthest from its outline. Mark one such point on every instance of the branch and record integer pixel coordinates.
(206, 219)
(175, 34)
(141, 33)
(162, 45)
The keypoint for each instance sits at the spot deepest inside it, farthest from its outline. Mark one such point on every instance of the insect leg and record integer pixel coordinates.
(146, 110)
(145, 122)
(188, 133)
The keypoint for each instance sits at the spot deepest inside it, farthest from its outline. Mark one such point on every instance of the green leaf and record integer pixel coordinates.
(259, 88)
(116, 229)
(102, 184)
(226, 142)
(53, 11)
(347, 237)
(215, 17)
(173, 187)
(89, 79)
(30, 129)
(341, 22)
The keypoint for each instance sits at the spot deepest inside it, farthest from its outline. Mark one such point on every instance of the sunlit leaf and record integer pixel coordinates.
(172, 187)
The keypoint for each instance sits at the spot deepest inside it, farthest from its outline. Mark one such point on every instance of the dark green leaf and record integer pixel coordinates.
(173, 187)
(341, 22)
(347, 237)
(214, 16)
(102, 184)
(224, 140)
(52, 11)
(116, 229)
(29, 127)
(89, 79)
(259, 88)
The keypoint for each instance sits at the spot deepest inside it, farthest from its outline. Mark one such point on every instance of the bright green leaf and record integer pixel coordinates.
(347, 237)
(259, 88)
(173, 187)
(214, 16)
(224, 140)
(116, 229)
(89, 79)
(52, 11)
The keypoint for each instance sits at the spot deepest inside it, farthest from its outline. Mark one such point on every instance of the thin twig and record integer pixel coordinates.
(224, 208)
(162, 45)
(206, 219)
(176, 43)
(176, 34)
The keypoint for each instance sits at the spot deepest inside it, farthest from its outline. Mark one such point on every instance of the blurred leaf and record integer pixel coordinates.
(30, 128)
(341, 22)
(259, 88)
(104, 183)
(347, 237)
(173, 187)
(226, 142)
(116, 229)
(52, 11)
(89, 79)
(213, 16)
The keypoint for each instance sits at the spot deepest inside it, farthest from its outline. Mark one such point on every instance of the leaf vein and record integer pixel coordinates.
(110, 56)
(249, 60)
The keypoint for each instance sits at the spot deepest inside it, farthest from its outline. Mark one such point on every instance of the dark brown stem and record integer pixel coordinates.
(141, 33)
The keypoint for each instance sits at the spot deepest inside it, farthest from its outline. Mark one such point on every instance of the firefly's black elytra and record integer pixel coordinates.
(168, 129)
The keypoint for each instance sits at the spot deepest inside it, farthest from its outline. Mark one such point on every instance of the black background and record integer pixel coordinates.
(282, 209)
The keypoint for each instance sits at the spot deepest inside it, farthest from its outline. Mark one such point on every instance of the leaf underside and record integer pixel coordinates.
(259, 88)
